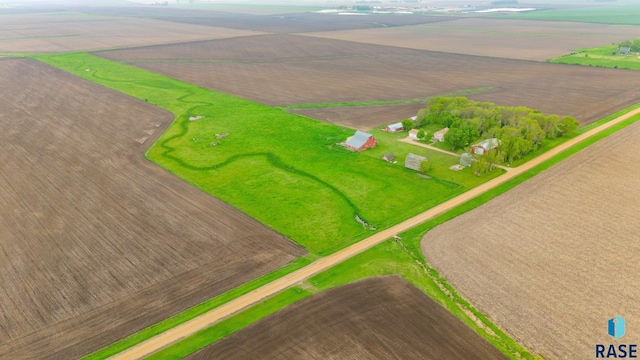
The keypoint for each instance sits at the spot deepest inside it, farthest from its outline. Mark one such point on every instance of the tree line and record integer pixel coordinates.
(519, 129)
(633, 45)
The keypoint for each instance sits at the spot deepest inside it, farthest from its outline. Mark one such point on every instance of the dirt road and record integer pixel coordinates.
(408, 140)
(426, 146)
(169, 337)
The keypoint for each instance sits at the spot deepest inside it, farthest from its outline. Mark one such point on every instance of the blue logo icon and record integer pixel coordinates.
(616, 327)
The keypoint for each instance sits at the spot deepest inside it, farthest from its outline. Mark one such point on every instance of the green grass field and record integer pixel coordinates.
(280, 168)
(402, 258)
(604, 56)
(624, 13)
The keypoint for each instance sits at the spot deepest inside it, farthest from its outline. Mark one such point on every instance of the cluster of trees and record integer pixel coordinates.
(634, 45)
(519, 129)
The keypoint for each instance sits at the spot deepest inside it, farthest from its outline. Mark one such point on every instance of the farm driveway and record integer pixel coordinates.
(162, 340)
(426, 146)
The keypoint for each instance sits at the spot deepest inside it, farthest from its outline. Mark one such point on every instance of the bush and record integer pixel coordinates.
(425, 166)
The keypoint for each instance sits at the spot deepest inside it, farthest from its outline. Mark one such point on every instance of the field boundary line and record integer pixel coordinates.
(190, 327)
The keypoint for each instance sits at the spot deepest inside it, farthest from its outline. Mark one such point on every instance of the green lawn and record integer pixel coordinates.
(604, 56)
(280, 168)
(440, 162)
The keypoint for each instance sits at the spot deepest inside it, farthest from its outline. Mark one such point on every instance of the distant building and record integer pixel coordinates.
(485, 146)
(438, 136)
(413, 134)
(624, 50)
(465, 159)
(413, 161)
(389, 157)
(360, 141)
(393, 128)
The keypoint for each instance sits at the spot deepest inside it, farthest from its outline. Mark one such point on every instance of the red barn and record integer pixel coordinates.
(360, 141)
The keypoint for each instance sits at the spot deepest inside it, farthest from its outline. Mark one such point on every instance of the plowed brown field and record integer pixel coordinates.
(95, 241)
(70, 31)
(362, 117)
(288, 69)
(503, 38)
(553, 259)
(378, 318)
(283, 22)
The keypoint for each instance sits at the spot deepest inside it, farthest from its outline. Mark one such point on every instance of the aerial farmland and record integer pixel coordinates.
(536, 282)
(91, 231)
(288, 70)
(177, 181)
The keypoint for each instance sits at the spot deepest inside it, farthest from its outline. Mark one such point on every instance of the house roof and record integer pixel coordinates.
(488, 144)
(358, 139)
(395, 126)
(414, 157)
(442, 131)
(389, 156)
(413, 131)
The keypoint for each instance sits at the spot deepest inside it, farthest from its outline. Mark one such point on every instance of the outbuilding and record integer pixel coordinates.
(483, 147)
(389, 157)
(413, 134)
(413, 161)
(438, 136)
(465, 159)
(360, 141)
(394, 128)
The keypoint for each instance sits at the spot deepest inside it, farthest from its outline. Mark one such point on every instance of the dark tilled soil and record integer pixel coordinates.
(500, 38)
(362, 117)
(553, 259)
(285, 23)
(378, 318)
(95, 241)
(73, 31)
(287, 69)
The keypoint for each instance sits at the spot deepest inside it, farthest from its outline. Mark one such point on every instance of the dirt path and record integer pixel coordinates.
(416, 143)
(171, 336)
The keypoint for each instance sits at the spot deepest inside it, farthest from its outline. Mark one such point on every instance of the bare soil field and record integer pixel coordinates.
(553, 259)
(362, 117)
(378, 318)
(284, 23)
(70, 31)
(282, 70)
(95, 241)
(503, 38)
(26, 10)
